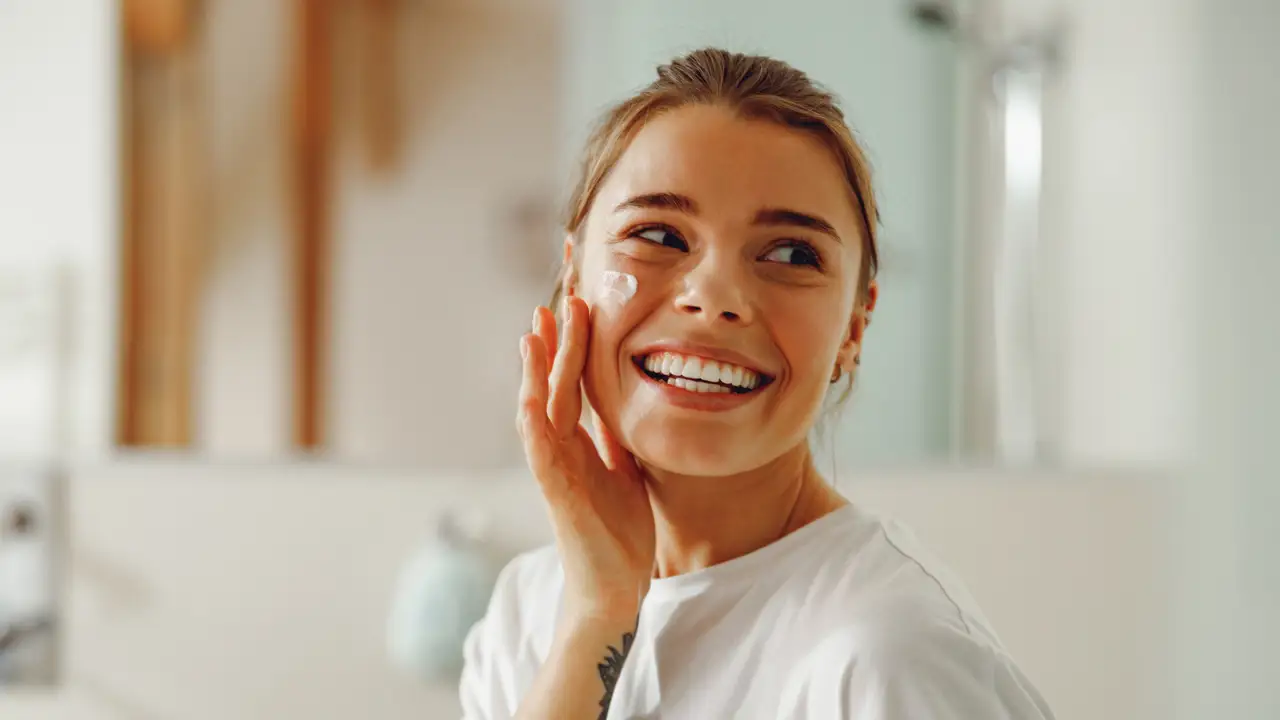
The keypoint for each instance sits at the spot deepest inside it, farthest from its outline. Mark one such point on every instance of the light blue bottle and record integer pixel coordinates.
(442, 591)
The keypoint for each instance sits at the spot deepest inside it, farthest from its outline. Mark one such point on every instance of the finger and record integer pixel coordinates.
(597, 426)
(565, 405)
(531, 414)
(544, 326)
(618, 458)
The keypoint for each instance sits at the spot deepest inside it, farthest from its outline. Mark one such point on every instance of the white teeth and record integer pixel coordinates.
(711, 371)
(697, 386)
(692, 368)
(699, 374)
(674, 367)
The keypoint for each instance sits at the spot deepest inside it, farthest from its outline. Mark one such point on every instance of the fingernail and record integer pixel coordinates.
(524, 348)
(564, 307)
(534, 323)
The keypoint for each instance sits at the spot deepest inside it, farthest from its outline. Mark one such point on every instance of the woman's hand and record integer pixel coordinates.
(598, 502)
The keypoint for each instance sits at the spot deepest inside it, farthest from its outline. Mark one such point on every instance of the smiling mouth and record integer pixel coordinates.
(701, 375)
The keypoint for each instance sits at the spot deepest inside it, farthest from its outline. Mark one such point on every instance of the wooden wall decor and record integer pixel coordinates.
(379, 67)
(158, 27)
(165, 219)
(164, 222)
(310, 134)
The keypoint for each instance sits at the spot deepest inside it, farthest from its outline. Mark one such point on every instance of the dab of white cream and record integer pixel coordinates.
(616, 288)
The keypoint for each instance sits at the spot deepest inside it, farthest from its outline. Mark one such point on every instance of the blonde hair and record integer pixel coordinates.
(753, 86)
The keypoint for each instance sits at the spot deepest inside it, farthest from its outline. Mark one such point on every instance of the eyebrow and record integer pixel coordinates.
(660, 201)
(794, 218)
(767, 216)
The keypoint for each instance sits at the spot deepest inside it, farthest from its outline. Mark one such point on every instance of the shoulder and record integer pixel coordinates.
(882, 574)
(910, 665)
(503, 651)
(902, 638)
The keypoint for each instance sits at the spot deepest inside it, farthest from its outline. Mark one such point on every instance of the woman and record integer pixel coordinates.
(719, 276)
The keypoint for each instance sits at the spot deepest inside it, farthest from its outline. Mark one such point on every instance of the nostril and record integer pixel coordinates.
(726, 314)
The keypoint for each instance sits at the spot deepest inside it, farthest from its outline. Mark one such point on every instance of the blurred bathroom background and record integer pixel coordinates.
(264, 265)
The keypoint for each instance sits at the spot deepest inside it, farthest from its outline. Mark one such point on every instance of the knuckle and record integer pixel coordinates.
(527, 417)
(529, 407)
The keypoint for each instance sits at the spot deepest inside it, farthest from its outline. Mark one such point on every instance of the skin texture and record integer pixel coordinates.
(721, 220)
(792, 321)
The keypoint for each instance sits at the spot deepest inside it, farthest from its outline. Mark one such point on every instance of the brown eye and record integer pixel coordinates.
(664, 237)
(794, 254)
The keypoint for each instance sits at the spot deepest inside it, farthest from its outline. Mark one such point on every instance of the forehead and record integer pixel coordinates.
(732, 167)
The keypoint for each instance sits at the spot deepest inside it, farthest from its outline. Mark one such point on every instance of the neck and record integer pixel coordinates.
(703, 521)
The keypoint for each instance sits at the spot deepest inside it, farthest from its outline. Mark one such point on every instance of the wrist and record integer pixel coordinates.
(599, 613)
(597, 622)
(586, 659)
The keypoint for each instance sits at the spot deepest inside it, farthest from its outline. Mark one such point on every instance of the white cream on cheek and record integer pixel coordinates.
(615, 289)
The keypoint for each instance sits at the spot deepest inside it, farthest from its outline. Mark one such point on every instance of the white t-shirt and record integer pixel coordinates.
(846, 618)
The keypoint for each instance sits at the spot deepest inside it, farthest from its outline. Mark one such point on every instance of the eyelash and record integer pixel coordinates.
(816, 262)
(816, 256)
(639, 232)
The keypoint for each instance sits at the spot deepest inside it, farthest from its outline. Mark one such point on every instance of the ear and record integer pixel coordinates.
(569, 277)
(851, 348)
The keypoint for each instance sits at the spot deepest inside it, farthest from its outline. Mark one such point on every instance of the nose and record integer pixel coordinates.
(714, 290)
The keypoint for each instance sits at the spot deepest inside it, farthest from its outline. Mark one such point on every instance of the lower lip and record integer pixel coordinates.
(692, 400)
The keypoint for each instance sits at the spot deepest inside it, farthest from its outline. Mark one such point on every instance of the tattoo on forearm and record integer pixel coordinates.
(611, 669)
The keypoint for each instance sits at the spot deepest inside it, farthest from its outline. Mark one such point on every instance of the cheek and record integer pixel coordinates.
(615, 312)
(808, 330)
(610, 277)
(609, 378)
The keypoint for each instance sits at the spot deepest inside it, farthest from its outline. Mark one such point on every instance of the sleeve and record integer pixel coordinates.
(935, 673)
(487, 688)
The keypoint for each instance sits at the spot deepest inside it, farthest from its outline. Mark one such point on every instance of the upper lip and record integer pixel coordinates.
(704, 351)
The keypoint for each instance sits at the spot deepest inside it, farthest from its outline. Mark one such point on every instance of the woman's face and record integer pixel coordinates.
(746, 249)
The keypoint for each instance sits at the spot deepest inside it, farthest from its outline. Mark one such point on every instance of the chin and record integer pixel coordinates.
(698, 452)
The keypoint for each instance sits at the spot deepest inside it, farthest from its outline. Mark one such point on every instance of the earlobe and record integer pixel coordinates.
(862, 317)
(847, 358)
(850, 354)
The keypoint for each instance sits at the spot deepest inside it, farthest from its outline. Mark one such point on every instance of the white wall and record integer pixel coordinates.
(259, 592)
(1113, 274)
(1123, 241)
(58, 215)
(1231, 540)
